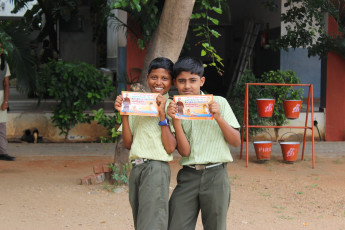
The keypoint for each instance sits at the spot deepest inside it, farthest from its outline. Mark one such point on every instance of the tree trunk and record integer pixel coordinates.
(169, 37)
(121, 153)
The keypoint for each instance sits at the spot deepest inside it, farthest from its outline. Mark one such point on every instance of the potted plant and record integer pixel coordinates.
(293, 103)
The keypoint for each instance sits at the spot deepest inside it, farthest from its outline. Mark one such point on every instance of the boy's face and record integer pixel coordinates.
(189, 84)
(159, 81)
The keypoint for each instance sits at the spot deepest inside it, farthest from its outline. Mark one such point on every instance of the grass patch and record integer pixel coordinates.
(338, 161)
(265, 194)
(287, 217)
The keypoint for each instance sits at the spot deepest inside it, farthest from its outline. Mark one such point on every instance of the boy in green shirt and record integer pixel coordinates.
(151, 143)
(203, 182)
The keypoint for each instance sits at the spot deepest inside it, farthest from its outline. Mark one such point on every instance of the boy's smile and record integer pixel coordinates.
(159, 81)
(189, 84)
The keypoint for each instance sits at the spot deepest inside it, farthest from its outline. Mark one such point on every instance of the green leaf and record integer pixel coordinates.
(117, 5)
(203, 53)
(195, 16)
(217, 10)
(213, 20)
(215, 33)
(205, 44)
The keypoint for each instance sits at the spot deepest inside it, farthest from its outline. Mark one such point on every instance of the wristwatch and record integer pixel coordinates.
(165, 122)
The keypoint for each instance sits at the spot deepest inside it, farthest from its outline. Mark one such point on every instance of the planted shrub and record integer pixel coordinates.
(76, 87)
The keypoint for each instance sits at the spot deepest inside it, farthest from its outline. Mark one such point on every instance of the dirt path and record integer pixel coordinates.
(41, 192)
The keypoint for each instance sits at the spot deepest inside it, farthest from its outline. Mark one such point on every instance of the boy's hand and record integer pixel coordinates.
(161, 101)
(172, 109)
(214, 109)
(118, 103)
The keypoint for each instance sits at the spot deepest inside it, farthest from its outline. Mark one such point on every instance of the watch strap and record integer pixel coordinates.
(165, 122)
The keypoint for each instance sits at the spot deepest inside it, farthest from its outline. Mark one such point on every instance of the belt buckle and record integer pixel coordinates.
(200, 167)
(139, 161)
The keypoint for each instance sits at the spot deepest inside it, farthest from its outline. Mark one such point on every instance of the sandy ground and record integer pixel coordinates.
(41, 192)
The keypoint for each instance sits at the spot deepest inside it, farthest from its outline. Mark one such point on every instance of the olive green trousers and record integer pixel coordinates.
(149, 195)
(207, 191)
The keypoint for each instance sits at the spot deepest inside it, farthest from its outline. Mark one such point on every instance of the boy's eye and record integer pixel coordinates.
(153, 77)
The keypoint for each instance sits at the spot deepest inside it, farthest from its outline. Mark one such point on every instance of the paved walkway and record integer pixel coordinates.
(322, 149)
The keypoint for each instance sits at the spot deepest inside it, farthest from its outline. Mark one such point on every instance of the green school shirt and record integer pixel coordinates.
(147, 138)
(206, 139)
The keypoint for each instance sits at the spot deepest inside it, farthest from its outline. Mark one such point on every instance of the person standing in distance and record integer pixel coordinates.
(4, 94)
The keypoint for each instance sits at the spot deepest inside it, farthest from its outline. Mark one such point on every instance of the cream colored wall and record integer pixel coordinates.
(18, 122)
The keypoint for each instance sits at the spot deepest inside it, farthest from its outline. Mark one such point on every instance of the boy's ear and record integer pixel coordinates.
(202, 81)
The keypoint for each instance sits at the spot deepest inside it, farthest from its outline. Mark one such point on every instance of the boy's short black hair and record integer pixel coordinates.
(192, 65)
(161, 62)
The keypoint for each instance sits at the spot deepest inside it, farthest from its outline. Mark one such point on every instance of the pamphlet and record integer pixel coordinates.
(193, 107)
(142, 104)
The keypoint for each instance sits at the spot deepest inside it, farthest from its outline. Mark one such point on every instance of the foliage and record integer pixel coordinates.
(19, 55)
(305, 25)
(294, 94)
(146, 15)
(202, 30)
(52, 11)
(280, 93)
(110, 123)
(237, 102)
(142, 13)
(77, 87)
(120, 175)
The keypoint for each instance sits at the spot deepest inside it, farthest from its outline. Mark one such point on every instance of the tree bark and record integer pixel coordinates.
(169, 37)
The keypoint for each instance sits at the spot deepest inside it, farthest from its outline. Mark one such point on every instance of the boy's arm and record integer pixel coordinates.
(231, 135)
(168, 139)
(126, 130)
(183, 146)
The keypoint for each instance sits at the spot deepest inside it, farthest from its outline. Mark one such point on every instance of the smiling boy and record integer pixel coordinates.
(151, 143)
(202, 183)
